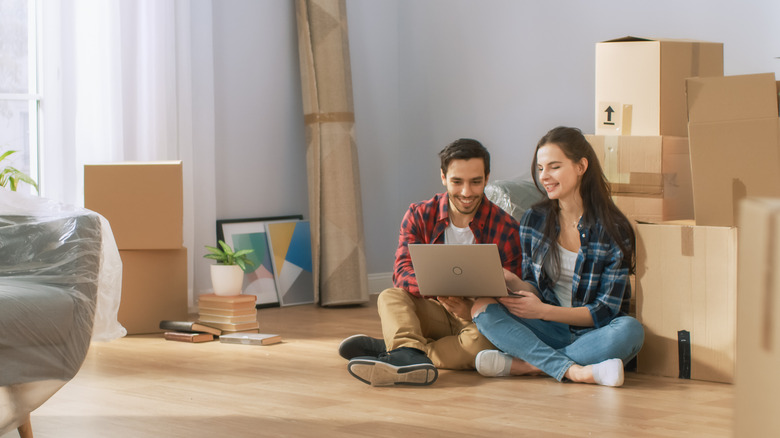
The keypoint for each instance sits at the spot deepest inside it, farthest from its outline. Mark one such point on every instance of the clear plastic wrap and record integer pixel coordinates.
(60, 283)
(514, 196)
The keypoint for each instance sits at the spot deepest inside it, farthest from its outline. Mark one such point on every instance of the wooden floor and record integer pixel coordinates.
(144, 386)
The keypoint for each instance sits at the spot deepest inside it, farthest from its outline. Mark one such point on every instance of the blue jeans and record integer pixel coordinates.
(552, 347)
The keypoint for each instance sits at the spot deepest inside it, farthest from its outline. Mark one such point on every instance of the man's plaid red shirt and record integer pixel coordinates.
(426, 221)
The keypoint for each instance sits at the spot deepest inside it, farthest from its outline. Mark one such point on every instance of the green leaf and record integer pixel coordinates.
(243, 252)
(214, 250)
(11, 177)
(228, 250)
(2, 157)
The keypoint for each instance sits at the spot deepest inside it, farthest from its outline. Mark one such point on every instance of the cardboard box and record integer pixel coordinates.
(143, 202)
(757, 389)
(733, 130)
(640, 83)
(686, 275)
(687, 281)
(650, 176)
(154, 288)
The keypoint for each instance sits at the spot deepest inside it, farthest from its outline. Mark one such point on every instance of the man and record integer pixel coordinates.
(422, 334)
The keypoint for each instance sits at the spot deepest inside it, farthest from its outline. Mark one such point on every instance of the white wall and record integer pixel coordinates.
(426, 72)
(260, 141)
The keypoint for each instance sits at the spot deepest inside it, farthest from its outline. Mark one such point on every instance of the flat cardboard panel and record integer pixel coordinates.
(143, 202)
(650, 176)
(646, 79)
(730, 161)
(154, 288)
(686, 280)
(757, 390)
(731, 98)
(733, 130)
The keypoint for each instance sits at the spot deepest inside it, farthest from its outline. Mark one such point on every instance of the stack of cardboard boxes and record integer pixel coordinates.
(687, 272)
(641, 122)
(143, 202)
(681, 145)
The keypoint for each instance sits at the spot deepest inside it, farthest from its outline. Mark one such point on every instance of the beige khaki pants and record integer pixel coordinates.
(424, 324)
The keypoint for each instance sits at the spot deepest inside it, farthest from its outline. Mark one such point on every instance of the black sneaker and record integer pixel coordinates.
(361, 345)
(402, 366)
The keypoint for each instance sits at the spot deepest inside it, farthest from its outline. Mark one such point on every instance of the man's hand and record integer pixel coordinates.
(525, 305)
(458, 306)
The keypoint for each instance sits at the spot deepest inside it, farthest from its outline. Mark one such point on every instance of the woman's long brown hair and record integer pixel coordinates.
(596, 198)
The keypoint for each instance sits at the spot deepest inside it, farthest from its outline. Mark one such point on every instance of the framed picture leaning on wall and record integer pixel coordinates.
(252, 233)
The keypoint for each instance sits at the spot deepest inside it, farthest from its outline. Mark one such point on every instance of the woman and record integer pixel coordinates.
(567, 317)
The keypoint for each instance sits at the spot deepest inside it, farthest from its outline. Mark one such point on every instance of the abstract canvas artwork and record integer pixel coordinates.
(253, 234)
(291, 253)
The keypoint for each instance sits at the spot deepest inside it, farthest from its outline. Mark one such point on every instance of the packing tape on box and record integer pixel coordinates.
(770, 281)
(643, 184)
(686, 241)
(328, 117)
(628, 113)
(611, 158)
(695, 57)
(628, 183)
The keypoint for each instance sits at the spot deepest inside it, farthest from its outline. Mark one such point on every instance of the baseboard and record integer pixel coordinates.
(379, 282)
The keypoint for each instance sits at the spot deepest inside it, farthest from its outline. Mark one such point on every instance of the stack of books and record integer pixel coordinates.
(235, 313)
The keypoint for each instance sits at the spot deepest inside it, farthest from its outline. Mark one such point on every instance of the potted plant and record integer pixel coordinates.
(11, 177)
(227, 276)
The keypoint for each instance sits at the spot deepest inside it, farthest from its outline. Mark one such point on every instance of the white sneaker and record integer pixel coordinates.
(493, 363)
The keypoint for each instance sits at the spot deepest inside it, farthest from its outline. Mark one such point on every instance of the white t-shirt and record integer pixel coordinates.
(458, 236)
(564, 283)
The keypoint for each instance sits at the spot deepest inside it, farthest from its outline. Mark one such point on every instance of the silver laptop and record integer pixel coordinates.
(458, 270)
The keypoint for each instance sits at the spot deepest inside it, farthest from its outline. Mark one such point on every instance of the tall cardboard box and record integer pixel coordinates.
(687, 282)
(143, 202)
(154, 288)
(686, 273)
(758, 319)
(640, 83)
(650, 176)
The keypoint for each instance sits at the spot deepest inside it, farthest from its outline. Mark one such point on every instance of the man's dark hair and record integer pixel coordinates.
(464, 149)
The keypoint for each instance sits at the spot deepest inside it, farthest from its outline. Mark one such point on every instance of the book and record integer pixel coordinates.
(254, 330)
(188, 337)
(189, 327)
(227, 301)
(228, 312)
(236, 319)
(234, 327)
(250, 338)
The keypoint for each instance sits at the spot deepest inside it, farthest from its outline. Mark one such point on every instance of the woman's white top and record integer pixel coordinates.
(458, 236)
(563, 284)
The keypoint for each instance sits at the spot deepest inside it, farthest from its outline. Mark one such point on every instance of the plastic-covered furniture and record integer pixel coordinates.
(50, 272)
(514, 196)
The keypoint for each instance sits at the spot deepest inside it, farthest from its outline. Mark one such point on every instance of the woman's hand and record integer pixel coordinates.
(458, 306)
(514, 283)
(525, 305)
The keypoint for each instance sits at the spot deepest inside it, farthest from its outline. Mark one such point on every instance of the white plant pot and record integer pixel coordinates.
(227, 279)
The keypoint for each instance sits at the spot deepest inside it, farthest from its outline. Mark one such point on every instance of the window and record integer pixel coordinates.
(19, 98)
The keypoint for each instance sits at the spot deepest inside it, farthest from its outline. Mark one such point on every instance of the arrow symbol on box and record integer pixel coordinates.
(609, 112)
